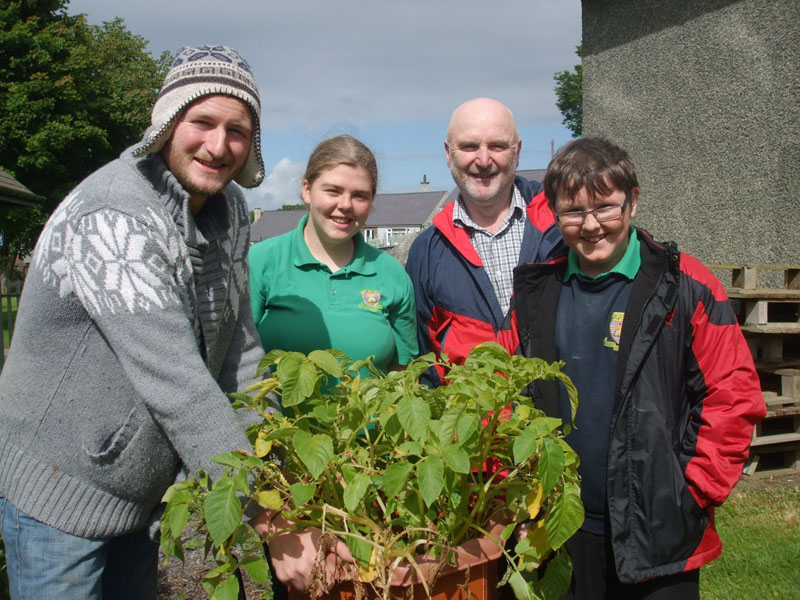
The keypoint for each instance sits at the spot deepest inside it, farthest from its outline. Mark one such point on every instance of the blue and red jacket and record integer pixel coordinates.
(687, 397)
(457, 307)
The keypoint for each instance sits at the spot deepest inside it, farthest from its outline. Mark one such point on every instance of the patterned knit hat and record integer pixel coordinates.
(199, 72)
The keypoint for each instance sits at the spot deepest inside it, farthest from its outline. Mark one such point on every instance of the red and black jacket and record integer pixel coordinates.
(457, 307)
(687, 398)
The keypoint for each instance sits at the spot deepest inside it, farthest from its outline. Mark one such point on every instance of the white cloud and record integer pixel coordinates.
(280, 187)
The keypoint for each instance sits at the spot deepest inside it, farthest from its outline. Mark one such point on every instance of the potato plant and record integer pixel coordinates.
(393, 468)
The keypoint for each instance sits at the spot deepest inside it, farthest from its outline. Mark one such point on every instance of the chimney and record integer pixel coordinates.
(424, 185)
(256, 214)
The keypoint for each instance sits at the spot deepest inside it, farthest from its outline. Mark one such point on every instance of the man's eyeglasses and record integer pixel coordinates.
(603, 214)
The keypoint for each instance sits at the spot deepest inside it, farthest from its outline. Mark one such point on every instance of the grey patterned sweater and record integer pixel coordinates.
(134, 321)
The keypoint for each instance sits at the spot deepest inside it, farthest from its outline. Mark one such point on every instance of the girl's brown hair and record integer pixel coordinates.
(341, 150)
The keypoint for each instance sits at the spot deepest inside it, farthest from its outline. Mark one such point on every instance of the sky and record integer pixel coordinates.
(389, 72)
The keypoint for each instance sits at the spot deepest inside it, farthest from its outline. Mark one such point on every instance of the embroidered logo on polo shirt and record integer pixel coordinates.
(372, 300)
(615, 330)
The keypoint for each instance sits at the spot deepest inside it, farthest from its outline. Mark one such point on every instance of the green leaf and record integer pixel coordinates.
(359, 548)
(270, 499)
(449, 420)
(551, 464)
(519, 586)
(566, 516)
(391, 425)
(281, 433)
(468, 428)
(269, 359)
(326, 362)
(229, 459)
(557, 577)
(256, 567)
(180, 491)
(243, 398)
(486, 399)
(541, 426)
(525, 445)
(572, 392)
(456, 458)
(227, 590)
(177, 517)
(431, 478)
(241, 482)
(227, 567)
(395, 477)
(410, 449)
(355, 491)
(299, 379)
(414, 416)
(222, 511)
(301, 493)
(348, 471)
(487, 352)
(324, 413)
(288, 364)
(315, 451)
(420, 365)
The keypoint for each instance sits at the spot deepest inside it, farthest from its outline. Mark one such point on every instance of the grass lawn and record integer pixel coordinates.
(760, 530)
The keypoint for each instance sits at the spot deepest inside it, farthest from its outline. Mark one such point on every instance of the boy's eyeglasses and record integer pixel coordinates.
(602, 214)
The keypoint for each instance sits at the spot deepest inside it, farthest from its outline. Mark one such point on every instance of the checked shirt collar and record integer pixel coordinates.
(499, 251)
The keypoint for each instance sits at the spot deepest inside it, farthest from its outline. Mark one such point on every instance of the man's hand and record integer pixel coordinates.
(294, 554)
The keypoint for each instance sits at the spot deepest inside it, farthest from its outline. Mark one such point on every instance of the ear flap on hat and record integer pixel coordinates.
(197, 73)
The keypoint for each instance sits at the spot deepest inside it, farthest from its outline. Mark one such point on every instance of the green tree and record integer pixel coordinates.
(299, 206)
(569, 93)
(72, 97)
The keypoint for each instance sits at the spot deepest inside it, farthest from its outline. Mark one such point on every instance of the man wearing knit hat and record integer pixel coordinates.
(133, 325)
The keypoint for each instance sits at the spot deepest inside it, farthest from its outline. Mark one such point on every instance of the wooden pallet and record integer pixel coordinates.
(776, 439)
(745, 276)
(779, 382)
(770, 320)
(773, 348)
(768, 316)
(773, 460)
(762, 312)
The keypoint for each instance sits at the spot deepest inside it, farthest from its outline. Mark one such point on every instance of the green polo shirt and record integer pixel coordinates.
(628, 265)
(364, 309)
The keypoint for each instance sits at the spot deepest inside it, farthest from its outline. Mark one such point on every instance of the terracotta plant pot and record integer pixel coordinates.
(474, 578)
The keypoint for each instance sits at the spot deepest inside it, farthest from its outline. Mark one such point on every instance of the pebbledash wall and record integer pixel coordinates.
(705, 95)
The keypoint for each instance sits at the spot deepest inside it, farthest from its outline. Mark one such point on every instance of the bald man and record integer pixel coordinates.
(462, 266)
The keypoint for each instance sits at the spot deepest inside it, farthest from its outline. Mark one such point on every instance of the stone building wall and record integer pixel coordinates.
(705, 95)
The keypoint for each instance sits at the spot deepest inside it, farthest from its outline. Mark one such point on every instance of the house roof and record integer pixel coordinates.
(388, 210)
(13, 192)
(415, 209)
(405, 210)
(275, 222)
(533, 174)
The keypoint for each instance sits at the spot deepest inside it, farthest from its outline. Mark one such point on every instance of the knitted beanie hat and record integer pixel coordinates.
(199, 72)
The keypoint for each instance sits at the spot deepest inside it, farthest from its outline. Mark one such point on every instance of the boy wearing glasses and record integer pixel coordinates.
(668, 393)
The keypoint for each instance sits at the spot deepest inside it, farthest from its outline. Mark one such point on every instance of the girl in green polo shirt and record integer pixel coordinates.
(322, 286)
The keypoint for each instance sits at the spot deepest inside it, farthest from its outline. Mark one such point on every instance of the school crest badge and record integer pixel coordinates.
(615, 331)
(371, 299)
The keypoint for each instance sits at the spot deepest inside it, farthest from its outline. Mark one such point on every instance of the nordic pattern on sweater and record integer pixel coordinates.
(110, 261)
(134, 321)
